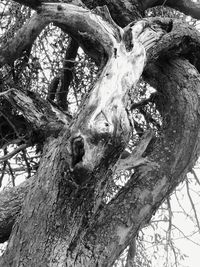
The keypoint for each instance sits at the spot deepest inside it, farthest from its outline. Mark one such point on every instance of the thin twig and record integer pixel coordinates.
(27, 163)
(3, 169)
(170, 232)
(195, 176)
(192, 204)
(11, 173)
(143, 102)
(14, 152)
(186, 236)
(12, 125)
(5, 93)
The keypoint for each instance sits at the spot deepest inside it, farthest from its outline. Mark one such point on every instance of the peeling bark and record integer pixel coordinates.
(104, 115)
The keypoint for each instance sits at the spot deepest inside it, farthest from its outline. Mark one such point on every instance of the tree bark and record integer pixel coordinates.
(22, 41)
(125, 11)
(77, 164)
(67, 74)
(10, 207)
(188, 7)
(64, 220)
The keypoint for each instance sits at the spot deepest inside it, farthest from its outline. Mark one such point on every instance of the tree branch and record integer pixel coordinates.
(14, 152)
(38, 112)
(94, 34)
(185, 43)
(11, 201)
(53, 88)
(195, 177)
(22, 41)
(188, 7)
(143, 102)
(131, 253)
(67, 74)
(192, 205)
(123, 12)
(135, 203)
(36, 3)
(135, 158)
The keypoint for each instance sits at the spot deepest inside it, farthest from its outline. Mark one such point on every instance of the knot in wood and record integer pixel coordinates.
(77, 148)
(59, 7)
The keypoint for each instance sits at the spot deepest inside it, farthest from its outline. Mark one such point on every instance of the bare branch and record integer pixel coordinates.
(53, 88)
(41, 114)
(143, 102)
(3, 171)
(135, 158)
(37, 3)
(22, 41)
(169, 243)
(123, 12)
(131, 253)
(10, 123)
(188, 237)
(94, 34)
(28, 167)
(188, 7)
(11, 173)
(192, 204)
(14, 152)
(10, 206)
(195, 176)
(67, 73)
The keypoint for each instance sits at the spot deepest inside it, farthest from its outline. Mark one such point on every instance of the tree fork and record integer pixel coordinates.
(102, 120)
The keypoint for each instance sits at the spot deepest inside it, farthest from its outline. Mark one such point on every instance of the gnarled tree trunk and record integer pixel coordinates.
(63, 220)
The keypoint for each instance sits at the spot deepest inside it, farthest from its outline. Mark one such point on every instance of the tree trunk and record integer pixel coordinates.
(64, 220)
(61, 223)
(75, 166)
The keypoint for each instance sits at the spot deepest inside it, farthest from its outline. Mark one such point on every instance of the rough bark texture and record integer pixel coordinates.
(100, 237)
(67, 74)
(22, 41)
(63, 220)
(186, 6)
(10, 207)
